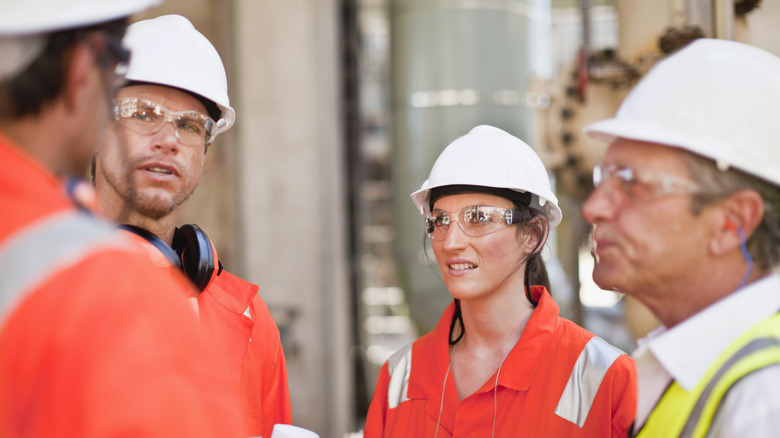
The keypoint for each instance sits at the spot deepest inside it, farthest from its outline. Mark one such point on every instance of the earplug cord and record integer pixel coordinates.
(746, 255)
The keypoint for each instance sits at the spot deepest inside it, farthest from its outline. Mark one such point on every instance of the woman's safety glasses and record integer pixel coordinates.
(473, 221)
(146, 117)
(637, 183)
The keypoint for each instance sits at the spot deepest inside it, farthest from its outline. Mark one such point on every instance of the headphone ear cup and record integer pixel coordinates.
(197, 254)
(163, 249)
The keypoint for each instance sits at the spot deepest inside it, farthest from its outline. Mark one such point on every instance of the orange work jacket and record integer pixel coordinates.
(558, 381)
(94, 340)
(238, 319)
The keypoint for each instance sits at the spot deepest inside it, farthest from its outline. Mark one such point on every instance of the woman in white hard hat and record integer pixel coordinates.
(500, 362)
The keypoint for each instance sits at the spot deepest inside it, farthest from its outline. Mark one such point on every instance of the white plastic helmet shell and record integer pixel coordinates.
(490, 157)
(26, 17)
(24, 23)
(716, 98)
(168, 50)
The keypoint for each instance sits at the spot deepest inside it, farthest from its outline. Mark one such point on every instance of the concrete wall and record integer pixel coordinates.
(291, 201)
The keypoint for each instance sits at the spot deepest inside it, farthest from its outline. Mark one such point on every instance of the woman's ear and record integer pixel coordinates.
(536, 236)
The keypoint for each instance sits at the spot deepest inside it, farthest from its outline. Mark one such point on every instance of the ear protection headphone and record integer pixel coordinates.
(192, 252)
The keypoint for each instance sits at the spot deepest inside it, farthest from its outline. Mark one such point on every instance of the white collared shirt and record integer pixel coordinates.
(686, 351)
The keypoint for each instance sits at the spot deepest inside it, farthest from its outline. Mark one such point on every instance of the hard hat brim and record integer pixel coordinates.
(611, 129)
(17, 19)
(713, 98)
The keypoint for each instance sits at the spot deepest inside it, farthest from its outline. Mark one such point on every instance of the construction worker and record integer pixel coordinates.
(500, 362)
(94, 340)
(146, 168)
(685, 219)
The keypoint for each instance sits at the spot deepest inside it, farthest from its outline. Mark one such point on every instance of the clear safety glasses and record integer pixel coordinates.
(147, 117)
(473, 221)
(635, 183)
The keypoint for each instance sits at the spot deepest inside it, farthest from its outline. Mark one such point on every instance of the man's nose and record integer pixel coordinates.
(600, 204)
(166, 137)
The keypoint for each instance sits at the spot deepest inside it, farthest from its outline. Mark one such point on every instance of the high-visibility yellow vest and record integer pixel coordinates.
(682, 413)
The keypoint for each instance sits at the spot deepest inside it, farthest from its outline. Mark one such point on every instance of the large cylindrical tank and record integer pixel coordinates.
(455, 64)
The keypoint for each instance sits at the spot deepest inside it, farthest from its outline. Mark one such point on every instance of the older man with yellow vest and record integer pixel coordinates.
(685, 219)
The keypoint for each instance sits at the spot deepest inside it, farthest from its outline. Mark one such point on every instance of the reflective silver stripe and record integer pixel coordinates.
(585, 380)
(45, 246)
(399, 366)
(751, 347)
(248, 314)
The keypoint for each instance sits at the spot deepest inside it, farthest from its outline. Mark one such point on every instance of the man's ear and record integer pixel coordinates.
(78, 72)
(741, 213)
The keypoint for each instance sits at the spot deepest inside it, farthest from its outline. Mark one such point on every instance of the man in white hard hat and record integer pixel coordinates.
(148, 167)
(685, 219)
(94, 340)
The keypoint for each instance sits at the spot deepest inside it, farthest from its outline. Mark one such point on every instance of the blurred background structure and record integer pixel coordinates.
(342, 106)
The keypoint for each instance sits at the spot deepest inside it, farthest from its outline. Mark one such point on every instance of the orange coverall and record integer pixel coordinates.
(241, 324)
(99, 343)
(531, 398)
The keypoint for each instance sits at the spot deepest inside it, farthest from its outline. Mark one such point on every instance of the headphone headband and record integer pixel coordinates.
(192, 252)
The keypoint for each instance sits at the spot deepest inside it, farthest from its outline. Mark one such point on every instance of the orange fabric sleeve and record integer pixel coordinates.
(119, 352)
(623, 391)
(275, 395)
(377, 410)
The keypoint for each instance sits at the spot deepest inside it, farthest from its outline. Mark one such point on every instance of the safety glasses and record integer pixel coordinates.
(473, 221)
(147, 117)
(636, 183)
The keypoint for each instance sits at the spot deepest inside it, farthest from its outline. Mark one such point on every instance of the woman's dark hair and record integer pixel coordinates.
(532, 221)
(43, 80)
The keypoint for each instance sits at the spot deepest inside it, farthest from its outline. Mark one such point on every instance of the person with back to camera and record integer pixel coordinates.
(500, 362)
(146, 168)
(685, 219)
(95, 341)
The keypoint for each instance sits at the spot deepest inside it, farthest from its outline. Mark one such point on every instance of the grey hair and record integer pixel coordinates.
(764, 243)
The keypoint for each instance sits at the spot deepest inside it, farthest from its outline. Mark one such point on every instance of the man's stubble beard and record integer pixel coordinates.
(153, 206)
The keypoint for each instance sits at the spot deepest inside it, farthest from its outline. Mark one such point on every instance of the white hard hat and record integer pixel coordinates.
(490, 157)
(23, 24)
(719, 99)
(25, 17)
(168, 50)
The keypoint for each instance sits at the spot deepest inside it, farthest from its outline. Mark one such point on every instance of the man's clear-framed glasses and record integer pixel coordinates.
(637, 182)
(147, 117)
(473, 221)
